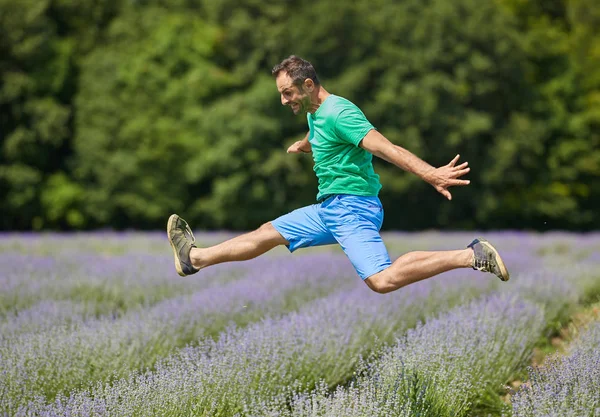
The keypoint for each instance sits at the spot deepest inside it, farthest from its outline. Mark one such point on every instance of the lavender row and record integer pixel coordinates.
(441, 368)
(58, 307)
(62, 358)
(552, 247)
(45, 315)
(104, 285)
(106, 272)
(322, 341)
(559, 283)
(107, 243)
(565, 386)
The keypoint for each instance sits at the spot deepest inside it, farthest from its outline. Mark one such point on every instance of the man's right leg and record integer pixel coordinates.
(299, 229)
(240, 248)
(189, 259)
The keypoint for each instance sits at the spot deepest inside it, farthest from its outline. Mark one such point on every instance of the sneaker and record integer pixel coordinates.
(487, 259)
(182, 241)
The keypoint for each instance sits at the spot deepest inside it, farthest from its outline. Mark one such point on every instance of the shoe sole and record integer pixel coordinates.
(499, 261)
(173, 219)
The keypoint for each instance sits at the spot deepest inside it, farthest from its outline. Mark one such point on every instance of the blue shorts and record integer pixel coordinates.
(352, 221)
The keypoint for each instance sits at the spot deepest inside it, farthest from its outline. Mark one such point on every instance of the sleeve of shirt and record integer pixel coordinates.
(352, 126)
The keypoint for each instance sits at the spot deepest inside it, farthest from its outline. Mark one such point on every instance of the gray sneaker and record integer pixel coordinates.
(487, 259)
(182, 241)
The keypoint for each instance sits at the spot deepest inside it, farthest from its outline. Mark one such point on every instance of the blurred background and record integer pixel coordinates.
(117, 113)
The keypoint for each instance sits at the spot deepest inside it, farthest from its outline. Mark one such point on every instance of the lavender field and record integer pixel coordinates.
(99, 324)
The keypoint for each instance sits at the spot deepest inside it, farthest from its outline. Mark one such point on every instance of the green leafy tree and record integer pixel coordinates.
(40, 42)
(34, 123)
(140, 105)
(554, 142)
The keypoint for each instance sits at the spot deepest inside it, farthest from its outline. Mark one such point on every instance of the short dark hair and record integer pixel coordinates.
(297, 69)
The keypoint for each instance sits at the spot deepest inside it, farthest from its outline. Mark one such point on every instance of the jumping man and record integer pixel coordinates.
(348, 211)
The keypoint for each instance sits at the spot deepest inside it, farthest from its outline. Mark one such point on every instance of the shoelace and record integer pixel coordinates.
(482, 264)
(479, 264)
(187, 232)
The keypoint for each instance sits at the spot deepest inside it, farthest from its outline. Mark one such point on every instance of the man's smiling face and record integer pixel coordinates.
(297, 97)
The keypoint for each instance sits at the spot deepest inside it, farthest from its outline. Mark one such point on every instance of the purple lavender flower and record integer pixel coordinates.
(566, 386)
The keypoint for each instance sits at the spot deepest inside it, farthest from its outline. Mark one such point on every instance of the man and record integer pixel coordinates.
(348, 211)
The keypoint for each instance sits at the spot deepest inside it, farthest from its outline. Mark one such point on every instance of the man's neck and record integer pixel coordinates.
(319, 98)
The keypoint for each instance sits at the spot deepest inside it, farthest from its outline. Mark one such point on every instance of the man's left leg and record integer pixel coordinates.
(419, 265)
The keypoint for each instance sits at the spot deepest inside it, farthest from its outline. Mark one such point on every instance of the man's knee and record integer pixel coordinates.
(268, 232)
(266, 228)
(379, 282)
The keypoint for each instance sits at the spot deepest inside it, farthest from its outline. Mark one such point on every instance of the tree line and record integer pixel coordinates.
(117, 113)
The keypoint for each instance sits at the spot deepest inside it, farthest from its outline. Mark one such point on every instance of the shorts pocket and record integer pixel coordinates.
(345, 213)
(362, 208)
(358, 204)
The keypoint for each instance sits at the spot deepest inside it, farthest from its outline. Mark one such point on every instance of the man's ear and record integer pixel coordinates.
(309, 85)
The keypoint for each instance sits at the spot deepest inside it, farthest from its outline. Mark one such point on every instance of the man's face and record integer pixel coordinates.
(297, 97)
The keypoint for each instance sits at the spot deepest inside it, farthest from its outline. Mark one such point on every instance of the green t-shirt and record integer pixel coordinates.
(342, 167)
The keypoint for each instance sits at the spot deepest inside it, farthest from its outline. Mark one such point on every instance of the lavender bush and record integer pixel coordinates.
(441, 368)
(101, 284)
(106, 273)
(566, 386)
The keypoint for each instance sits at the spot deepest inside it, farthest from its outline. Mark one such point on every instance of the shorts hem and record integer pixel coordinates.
(293, 244)
(376, 271)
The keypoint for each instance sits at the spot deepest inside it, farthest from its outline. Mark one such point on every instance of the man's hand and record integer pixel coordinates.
(441, 178)
(302, 146)
(447, 176)
(297, 147)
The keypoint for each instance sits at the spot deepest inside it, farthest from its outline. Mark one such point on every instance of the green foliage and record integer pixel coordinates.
(140, 101)
(39, 43)
(118, 113)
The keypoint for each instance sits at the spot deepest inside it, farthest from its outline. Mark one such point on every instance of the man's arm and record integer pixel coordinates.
(302, 146)
(440, 178)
